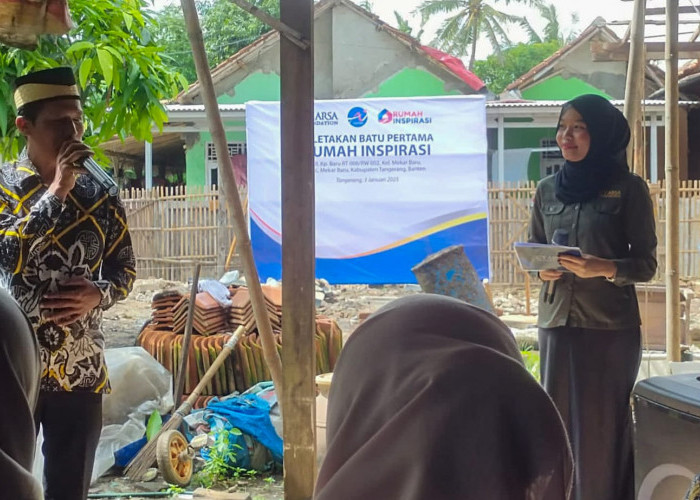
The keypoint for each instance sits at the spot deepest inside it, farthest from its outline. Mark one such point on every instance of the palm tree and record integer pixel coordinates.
(405, 27)
(367, 5)
(468, 21)
(552, 31)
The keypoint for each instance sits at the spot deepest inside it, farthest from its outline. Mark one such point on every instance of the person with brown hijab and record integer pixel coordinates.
(20, 370)
(430, 400)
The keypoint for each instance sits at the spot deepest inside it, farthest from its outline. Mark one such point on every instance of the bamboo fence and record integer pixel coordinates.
(174, 228)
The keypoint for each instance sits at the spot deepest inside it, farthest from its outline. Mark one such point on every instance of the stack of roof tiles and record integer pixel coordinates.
(209, 315)
(162, 305)
(166, 347)
(246, 366)
(241, 311)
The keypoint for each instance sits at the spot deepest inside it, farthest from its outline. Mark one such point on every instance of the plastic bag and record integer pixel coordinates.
(139, 385)
(217, 290)
(22, 21)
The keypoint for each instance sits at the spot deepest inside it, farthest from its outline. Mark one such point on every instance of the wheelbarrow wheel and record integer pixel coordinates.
(174, 458)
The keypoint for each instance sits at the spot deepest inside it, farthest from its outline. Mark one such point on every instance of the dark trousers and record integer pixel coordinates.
(72, 422)
(590, 375)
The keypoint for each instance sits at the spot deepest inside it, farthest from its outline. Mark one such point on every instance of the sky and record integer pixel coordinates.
(586, 10)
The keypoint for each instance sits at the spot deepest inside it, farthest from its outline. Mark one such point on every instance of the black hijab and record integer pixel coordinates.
(580, 181)
(430, 400)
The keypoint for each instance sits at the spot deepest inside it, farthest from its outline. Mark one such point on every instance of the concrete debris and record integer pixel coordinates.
(204, 493)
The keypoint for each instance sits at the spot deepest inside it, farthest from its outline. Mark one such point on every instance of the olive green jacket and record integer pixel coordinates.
(619, 225)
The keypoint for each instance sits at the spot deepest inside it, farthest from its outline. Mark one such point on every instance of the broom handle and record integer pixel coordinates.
(186, 407)
(187, 337)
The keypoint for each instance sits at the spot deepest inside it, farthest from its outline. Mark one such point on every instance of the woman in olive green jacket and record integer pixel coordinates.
(588, 313)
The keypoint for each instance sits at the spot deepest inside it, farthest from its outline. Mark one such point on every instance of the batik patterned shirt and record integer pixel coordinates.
(43, 243)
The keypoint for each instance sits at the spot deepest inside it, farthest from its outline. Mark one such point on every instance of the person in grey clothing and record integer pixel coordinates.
(589, 321)
(20, 370)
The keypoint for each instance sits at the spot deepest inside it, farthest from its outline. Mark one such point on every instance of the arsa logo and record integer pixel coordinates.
(323, 116)
(357, 116)
(385, 116)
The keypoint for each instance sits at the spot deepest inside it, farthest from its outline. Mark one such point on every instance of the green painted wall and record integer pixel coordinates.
(524, 138)
(412, 82)
(255, 87)
(557, 88)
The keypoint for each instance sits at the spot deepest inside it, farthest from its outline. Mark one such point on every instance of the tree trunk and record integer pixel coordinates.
(472, 56)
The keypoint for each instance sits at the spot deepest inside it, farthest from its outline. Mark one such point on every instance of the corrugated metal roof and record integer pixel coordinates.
(189, 108)
(181, 114)
(183, 108)
(554, 104)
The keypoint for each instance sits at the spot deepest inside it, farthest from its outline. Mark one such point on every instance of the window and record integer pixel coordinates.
(551, 159)
(234, 149)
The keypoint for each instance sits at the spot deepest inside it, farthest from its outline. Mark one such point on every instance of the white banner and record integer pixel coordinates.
(396, 180)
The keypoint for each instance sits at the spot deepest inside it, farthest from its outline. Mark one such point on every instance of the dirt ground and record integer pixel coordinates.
(257, 488)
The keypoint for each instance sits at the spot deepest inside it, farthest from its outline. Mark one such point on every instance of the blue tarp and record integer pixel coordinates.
(250, 414)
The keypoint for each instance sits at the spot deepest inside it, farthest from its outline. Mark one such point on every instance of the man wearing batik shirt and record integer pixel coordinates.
(65, 256)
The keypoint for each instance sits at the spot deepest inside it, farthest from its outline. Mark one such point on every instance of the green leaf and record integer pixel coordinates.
(106, 64)
(115, 53)
(128, 20)
(158, 115)
(3, 117)
(145, 126)
(119, 124)
(82, 45)
(117, 80)
(119, 59)
(155, 423)
(84, 72)
(183, 81)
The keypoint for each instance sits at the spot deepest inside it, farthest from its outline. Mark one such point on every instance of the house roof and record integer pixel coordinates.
(433, 56)
(648, 104)
(690, 68)
(184, 112)
(598, 26)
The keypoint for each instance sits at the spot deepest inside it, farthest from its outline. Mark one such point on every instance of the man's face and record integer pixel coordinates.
(57, 122)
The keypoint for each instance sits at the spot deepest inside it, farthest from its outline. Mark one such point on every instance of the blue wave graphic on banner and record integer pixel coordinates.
(385, 268)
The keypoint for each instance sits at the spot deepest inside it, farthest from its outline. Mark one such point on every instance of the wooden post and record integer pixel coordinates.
(222, 233)
(298, 251)
(501, 150)
(673, 293)
(231, 196)
(148, 164)
(634, 92)
(293, 35)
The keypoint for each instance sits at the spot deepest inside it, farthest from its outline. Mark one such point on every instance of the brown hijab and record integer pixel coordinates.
(20, 369)
(430, 400)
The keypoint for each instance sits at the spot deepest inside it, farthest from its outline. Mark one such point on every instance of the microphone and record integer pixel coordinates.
(100, 176)
(561, 238)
